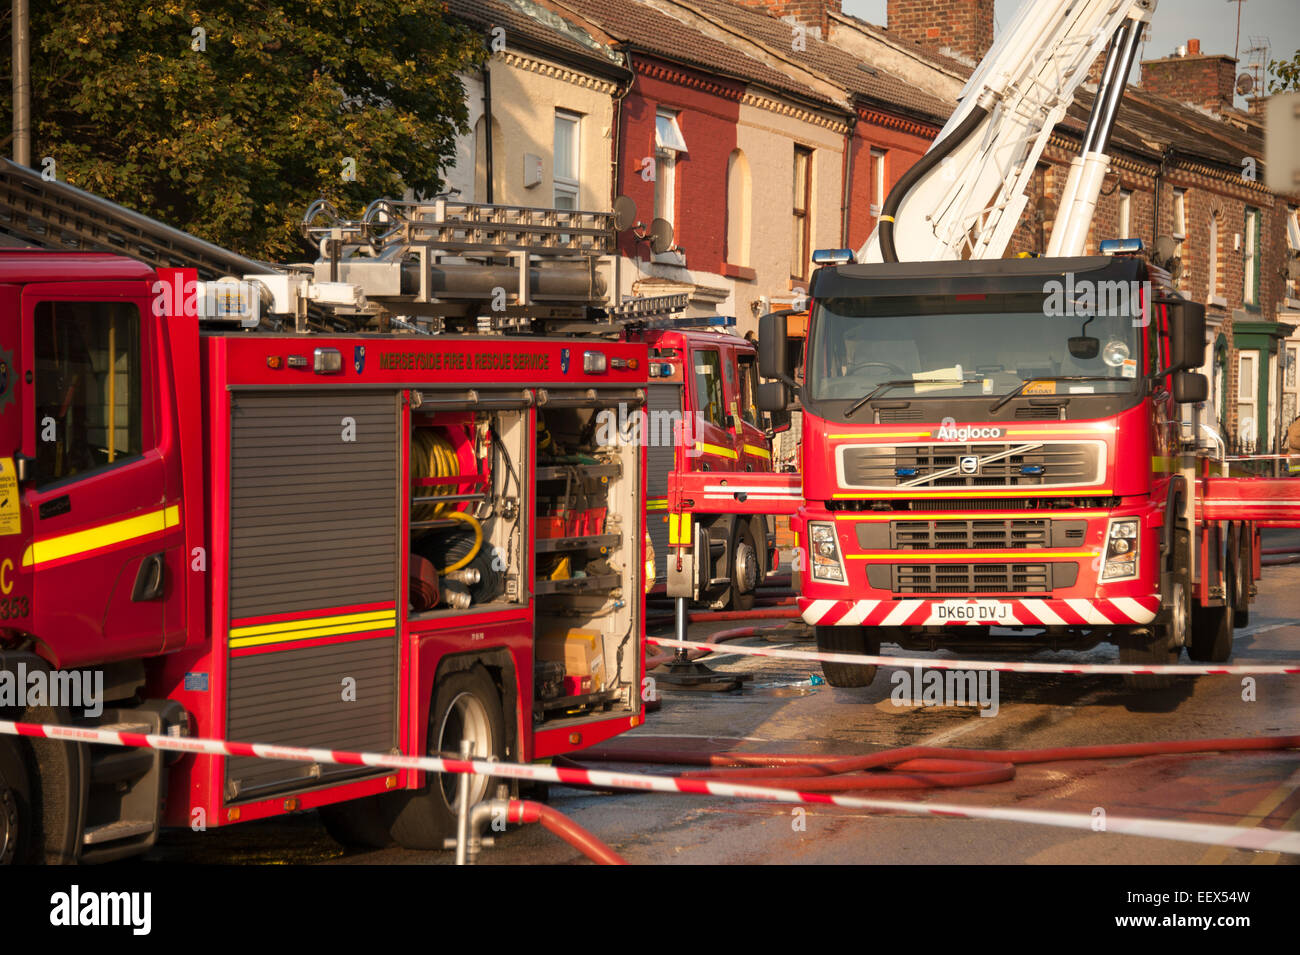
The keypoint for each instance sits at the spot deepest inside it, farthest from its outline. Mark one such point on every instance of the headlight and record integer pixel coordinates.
(1121, 558)
(824, 552)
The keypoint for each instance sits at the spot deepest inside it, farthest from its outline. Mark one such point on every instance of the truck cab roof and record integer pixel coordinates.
(25, 265)
(973, 277)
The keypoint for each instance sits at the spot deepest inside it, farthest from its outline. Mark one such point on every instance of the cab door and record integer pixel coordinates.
(715, 443)
(97, 484)
(755, 450)
(15, 525)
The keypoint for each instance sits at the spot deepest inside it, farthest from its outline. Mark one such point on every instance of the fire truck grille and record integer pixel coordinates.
(925, 466)
(970, 535)
(948, 578)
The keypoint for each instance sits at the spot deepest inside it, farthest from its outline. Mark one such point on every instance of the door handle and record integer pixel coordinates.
(149, 579)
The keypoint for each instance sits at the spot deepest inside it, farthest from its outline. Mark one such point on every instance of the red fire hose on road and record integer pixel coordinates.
(523, 810)
(909, 767)
(722, 636)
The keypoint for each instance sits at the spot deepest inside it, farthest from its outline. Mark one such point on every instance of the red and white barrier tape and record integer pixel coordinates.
(933, 663)
(1236, 837)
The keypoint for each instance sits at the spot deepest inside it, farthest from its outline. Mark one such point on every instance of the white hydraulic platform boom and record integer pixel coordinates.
(964, 198)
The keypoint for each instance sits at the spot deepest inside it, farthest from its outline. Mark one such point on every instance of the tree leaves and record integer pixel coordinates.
(1286, 75)
(232, 141)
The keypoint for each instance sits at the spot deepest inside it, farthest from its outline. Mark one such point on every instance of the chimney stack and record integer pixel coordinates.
(1193, 77)
(813, 14)
(963, 27)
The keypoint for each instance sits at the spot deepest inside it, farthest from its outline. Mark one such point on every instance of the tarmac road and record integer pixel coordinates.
(781, 711)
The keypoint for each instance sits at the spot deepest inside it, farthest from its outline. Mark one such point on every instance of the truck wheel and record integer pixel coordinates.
(358, 824)
(745, 566)
(1141, 649)
(848, 640)
(1171, 633)
(1239, 569)
(1211, 635)
(466, 705)
(16, 819)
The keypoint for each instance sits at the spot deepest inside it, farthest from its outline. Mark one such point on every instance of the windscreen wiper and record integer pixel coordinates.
(886, 385)
(1019, 389)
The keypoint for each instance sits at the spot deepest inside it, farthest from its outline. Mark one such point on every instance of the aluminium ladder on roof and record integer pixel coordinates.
(54, 215)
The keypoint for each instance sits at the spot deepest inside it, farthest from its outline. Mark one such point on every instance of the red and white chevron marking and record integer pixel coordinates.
(1010, 612)
(937, 663)
(1237, 837)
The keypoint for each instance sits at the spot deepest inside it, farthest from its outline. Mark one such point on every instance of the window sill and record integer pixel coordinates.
(738, 272)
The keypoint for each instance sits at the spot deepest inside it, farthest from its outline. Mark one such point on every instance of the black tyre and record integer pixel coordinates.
(1240, 566)
(1211, 635)
(17, 822)
(466, 705)
(848, 640)
(746, 560)
(1173, 631)
(1140, 651)
(358, 824)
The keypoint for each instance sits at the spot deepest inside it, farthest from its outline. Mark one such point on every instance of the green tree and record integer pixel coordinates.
(227, 119)
(1286, 74)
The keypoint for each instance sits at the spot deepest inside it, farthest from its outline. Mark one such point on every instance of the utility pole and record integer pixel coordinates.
(1237, 46)
(22, 79)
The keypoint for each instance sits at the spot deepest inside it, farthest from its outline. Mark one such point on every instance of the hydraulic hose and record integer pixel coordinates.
(937, 154)
(523, 810)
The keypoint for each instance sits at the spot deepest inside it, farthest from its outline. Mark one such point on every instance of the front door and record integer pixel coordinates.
(98, 486)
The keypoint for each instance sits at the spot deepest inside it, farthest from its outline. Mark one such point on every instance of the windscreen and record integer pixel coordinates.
(969, 345)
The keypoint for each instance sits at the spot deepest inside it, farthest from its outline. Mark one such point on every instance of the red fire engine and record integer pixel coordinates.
(363, 506)
(708, 381)
(1007, 445)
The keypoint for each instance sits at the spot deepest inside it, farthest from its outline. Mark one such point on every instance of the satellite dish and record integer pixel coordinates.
(661, 236)
(624, 213)
(1164, 251)
(1245, 84)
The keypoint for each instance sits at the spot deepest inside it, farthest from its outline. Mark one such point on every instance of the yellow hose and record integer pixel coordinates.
(478, 540)
(432, 457)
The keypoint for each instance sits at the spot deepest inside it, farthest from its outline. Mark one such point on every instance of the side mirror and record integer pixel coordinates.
(1190, 387)
(772, 329)
(774, 397)
(1084, 347)
(1186, 335)
(777, 422)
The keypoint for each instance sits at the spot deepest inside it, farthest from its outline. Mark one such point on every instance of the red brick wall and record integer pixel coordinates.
(708, 110)
(902, 148)
(965, 26)
(812, 13)
(1205, 81)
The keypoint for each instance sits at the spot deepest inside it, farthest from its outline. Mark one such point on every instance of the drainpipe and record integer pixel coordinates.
(847, 177)
(616, 161)
(487, 129)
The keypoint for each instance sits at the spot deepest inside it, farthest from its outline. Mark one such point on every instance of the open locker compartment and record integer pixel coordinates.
(587, 569)
(467, 533)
